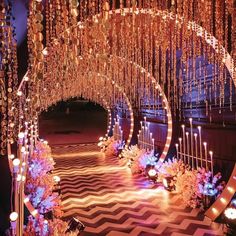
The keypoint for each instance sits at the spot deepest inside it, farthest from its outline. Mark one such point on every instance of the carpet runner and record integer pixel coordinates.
(110, 201)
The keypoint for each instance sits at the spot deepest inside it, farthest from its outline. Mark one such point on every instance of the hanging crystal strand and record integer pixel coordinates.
(230, 93)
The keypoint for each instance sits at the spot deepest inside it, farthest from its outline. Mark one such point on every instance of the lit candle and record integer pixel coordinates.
(184, 147)
(211, 156)
(191, 136)
(196, 151)
(187, 139)
(205, 149)
(177, 150)
(200, 143)
(180, 148)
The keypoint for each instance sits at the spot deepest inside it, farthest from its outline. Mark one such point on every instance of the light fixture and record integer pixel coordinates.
(167, 183)
(19, 177)
(74, 224)
(16, 162)
(230, 189)
(13, 216)
(26, 200)
(21, 135)
(214, 210)
(152, 174)
(57, 179)
(19, 93)
(230, 213)
(34, 212)
(12, 156)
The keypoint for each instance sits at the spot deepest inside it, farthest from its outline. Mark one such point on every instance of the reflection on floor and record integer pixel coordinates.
(110, 201)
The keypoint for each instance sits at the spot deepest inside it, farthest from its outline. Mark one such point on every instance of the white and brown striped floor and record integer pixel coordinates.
(110, 201)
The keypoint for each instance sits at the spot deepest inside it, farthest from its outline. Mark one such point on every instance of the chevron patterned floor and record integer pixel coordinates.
(110, 201)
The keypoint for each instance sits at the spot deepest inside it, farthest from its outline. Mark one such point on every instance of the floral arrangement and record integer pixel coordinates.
(42, 227)
(147, 160)
(138, 159)
(110, 146)
(209, 185)
(40, 183)
(194, 186)
(171, 168)
(132, 155)
(187, 186)
(39, 188)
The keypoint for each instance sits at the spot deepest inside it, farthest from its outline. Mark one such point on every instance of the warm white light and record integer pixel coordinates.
(230, 213)
(45, 52)
(16, 162)
(101, 138)
(45, 222)
(18, 177)
(223, 200)
(230, 189)
(56, 178)
(19, 93)
(23, 149)
(165, 183)
(26, 200)
(12, 156)
(214, 210)
(34, 212)
(26, 78)
(152, 173)
(13, 216)
(21, 135)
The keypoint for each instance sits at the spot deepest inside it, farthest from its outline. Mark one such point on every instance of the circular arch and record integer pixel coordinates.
(179, 20)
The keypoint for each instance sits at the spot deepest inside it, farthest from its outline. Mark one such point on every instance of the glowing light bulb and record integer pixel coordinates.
(57, 179)
(223, 200)
(23, 149)
(45, 52)
(34, 212)
(214, 210)
(19, 93)
(26, 200)
(230, 189)
(12, 156)
(230, 213)
(13, 216)
(16, 162)
(152, 173)
(18, 177)
(21, 135)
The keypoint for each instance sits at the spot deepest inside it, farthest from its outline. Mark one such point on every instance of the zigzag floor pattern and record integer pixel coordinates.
(110, 201)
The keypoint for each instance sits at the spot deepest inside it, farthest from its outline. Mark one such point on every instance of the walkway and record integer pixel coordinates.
(109, 201)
